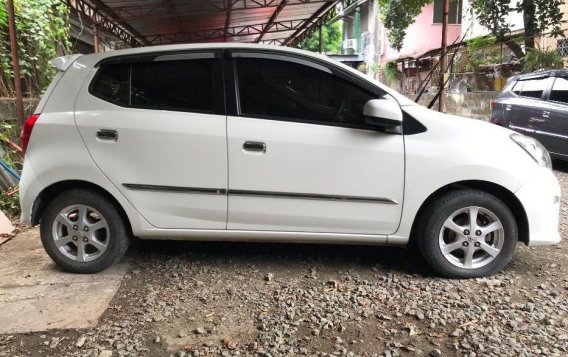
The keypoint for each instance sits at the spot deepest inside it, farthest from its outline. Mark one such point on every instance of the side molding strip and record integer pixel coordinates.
(210, 191)
(221, 191)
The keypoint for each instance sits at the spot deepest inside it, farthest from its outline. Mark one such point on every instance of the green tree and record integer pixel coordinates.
(397, 16)
(42, 28)
(539, 16)
(331, 39)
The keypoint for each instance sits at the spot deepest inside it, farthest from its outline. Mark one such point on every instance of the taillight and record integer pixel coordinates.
(493, 104)
(27, 131)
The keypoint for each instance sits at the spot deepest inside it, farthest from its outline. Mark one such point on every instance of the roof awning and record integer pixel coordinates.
(155, 22)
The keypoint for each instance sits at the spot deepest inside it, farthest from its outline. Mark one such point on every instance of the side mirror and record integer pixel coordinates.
(384, 115)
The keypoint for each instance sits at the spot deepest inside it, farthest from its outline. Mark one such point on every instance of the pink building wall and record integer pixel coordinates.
(422, 36)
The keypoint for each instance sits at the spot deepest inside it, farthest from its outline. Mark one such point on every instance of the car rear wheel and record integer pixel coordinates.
(83, 232)
(467, 234)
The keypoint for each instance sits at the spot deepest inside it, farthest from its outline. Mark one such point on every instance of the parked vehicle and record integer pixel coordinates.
(536, 105)
(262, 143)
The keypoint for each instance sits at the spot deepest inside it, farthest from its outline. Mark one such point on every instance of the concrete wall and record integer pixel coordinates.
(8, 108)
(470, 105)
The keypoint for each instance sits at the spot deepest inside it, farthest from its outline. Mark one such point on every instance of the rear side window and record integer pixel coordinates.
(190, 85)
(174, 85)
(533, 88)
(111, 84)
(560, 90)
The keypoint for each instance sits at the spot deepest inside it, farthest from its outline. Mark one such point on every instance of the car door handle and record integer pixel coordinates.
(107, 134)
(254, 146)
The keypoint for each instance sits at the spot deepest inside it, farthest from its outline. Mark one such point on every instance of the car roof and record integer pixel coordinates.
(542, 74)
(94, 58)
(201, 46)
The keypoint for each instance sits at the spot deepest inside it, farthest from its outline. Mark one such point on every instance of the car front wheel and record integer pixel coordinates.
(83, 232)
(467, 234)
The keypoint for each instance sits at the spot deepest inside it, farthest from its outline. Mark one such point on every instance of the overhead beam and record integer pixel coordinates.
(221, 33)
(271, 20)
(130, 12)
(101, 6)
(323, 13)
(228, 19)
(103, 22)
(172, 9)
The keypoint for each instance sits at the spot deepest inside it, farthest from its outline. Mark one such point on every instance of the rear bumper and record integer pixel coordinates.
(540, 196)
(30, 189)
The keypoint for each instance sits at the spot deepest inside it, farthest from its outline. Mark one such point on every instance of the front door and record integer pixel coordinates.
(524, 111)
(554, 129)
(156, 127)
(300, 156)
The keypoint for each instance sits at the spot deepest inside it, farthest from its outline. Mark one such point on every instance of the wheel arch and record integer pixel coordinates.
(49, 193)
(498, 191)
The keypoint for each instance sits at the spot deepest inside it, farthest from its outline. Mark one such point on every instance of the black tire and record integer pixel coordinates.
(434, 216)
(118, 236)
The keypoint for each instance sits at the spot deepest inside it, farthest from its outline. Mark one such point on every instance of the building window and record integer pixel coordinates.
(562, 47)
(455, 14)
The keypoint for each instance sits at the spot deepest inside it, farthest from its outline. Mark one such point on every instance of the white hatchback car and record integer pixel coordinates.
(261, 143)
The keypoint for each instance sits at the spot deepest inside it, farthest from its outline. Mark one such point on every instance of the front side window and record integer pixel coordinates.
(533, 88)
(279, 89)
(560, 90)
(179, 85)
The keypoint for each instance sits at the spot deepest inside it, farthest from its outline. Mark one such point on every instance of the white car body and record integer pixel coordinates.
(193, 181)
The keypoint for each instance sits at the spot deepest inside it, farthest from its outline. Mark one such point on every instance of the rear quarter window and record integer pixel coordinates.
(111, 84)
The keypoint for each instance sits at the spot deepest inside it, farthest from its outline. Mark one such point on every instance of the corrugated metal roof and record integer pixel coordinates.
(153, 22)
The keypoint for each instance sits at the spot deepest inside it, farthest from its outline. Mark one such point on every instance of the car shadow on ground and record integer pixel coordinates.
(343, 257)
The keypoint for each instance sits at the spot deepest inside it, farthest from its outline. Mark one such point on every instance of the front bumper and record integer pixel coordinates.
(540, 197)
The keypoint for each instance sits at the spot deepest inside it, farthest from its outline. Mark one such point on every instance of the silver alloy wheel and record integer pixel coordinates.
(81, 233)
(471, 237)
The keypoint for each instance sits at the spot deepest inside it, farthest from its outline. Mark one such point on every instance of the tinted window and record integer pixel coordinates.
(533, 88)
(560, 90)
(517, 88)
(186, 85)
(281, 89)
(111, 83)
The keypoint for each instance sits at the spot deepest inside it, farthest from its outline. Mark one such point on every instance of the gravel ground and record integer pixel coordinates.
(229, 299)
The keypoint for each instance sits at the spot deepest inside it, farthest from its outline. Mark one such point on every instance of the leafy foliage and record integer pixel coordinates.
(390, 71)
(10, 204)
(9, 201)
(397, 16)
(539, 17)
(10, 131)
(331, 39)
(536, 60)
(43, 33)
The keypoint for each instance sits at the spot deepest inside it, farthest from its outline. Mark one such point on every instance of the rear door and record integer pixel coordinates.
(524, 111)
(300, 156)
(155, 125)
(554, 128)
